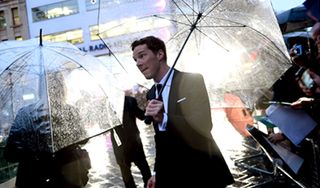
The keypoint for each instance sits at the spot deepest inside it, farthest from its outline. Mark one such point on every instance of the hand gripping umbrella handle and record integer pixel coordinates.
(149, 119)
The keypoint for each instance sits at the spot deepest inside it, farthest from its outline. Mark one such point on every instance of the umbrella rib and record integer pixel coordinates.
(23, 55)
(177, 34)
(111, 52)
(182, 12)
(239, 24)
(215, 26)
(267, 38)
(172, 20)
(247, 26)
(212, 9)
(211, 39)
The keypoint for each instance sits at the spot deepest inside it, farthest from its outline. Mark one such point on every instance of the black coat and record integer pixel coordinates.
(128, 133)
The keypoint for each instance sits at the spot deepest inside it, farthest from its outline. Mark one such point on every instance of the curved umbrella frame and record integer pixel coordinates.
(23, 61)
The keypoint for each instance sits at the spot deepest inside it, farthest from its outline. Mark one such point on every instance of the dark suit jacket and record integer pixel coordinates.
(128, 132)
(186, 154)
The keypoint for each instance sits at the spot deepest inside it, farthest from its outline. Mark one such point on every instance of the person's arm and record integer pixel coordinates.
(15, 148)
(276, 137)
(138, 112)
(304, 102)
(316, 78)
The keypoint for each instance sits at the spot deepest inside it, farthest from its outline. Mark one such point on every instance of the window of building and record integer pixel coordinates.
(3, 23)
(18, 38)
(94, 4)
(72, 36)
(55, 10)
(15, 16)
(126, 26)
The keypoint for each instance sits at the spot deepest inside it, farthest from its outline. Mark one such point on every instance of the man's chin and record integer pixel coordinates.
(148, 77)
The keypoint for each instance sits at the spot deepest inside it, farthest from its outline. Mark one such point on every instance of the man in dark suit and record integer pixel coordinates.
(127, 145)
(186, 154)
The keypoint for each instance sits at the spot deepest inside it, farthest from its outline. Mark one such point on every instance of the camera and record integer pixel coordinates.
(303, 75)
(298, 50)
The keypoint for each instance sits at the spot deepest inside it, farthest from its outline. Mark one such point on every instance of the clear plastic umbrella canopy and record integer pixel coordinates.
(236, 45)
(53, 95)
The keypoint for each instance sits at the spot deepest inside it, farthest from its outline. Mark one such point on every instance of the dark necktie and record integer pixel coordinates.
(159, 87)
(150, 96)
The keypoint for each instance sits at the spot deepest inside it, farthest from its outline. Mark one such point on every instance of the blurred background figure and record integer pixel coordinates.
(301, 50)
(127, 144)
(308, 79)
(313, 9)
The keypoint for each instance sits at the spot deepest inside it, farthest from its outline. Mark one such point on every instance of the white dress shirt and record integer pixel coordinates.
(165, 99)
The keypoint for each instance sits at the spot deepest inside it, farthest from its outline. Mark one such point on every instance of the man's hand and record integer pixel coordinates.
(155, 109)
(276, 137)
(316, 78)
(302, 102)
(151, 182)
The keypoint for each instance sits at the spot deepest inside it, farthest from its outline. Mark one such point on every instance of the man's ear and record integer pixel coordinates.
(160, 54)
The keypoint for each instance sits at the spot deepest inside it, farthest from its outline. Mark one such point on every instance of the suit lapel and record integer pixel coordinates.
(173, 95)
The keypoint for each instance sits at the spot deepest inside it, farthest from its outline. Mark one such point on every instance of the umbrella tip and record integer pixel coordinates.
(40, 37)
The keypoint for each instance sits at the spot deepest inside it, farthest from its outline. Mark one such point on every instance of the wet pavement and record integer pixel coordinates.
(105, 172)
(248, 173)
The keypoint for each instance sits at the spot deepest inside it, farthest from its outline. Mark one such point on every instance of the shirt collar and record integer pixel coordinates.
(164, 78)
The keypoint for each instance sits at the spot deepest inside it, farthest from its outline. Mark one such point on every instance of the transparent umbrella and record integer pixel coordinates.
(53, 95)
(236, 45)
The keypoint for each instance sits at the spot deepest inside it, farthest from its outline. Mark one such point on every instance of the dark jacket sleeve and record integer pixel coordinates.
(131, 104)
(139, 113)
(16, 148)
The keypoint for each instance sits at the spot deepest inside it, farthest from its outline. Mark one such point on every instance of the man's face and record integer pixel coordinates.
(147, 62)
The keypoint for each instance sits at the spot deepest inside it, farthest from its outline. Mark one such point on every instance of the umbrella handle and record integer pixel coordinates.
(149, 119)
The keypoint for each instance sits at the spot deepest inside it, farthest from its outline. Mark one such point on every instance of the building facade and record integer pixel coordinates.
(101, 28)
(80, 21)
(13, 20)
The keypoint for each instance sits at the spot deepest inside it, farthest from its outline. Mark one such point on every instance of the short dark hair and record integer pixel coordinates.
(153, 43)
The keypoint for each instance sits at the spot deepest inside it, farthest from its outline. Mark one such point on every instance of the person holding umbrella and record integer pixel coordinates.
(29, 142)
(186, 153)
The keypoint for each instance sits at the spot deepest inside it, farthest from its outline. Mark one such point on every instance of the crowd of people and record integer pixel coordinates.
(299, 86)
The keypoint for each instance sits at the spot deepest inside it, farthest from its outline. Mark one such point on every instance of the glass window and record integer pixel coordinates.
(15, 16)
(39, 14)
(3, 23)
(55, 10)
(18, 38)
(127, 26)
(94, 4)
(72, 36)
